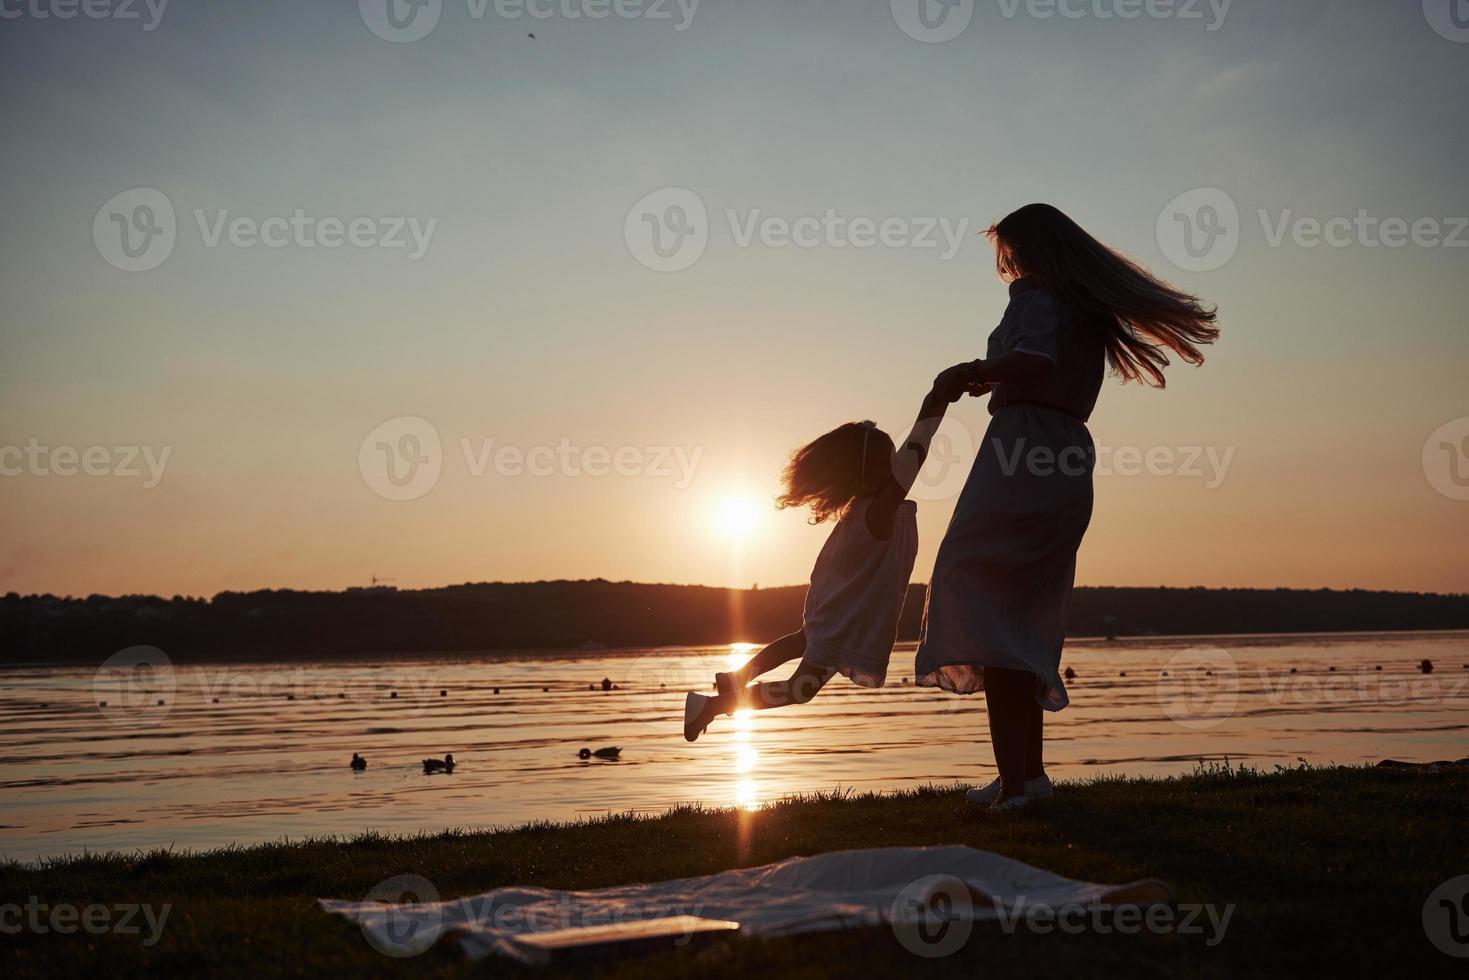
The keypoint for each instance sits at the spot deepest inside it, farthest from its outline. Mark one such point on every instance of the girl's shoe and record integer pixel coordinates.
(696, 716)
(1013, 803)
(985, 795)
(724, 683)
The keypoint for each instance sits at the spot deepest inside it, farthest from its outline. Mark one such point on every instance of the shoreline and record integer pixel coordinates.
(577, 653)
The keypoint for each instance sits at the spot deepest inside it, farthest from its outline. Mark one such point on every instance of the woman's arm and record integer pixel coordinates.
(1015, 367)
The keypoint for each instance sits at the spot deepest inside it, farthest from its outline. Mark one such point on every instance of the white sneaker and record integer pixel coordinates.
(1013, 803)
(985, 795)
(694, 720)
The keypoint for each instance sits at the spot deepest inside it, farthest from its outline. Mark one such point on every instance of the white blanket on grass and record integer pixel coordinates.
(828, 892)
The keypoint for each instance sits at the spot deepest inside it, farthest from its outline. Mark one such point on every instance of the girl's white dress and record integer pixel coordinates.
(856, 595)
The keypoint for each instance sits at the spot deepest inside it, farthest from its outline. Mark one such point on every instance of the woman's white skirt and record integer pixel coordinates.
(1002, 583)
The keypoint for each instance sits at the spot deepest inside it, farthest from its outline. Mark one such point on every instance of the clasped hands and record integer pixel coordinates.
(958, 381)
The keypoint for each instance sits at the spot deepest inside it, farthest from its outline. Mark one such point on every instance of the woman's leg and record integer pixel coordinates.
(1035, 765)
(1006, 693)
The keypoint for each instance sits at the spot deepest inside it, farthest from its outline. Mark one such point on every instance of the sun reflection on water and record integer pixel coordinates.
(739, 654)
(746, 759)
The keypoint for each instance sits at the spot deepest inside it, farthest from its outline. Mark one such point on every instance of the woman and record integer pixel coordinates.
(996, 613)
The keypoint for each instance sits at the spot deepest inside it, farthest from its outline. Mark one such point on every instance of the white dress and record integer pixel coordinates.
(856, 595)
(1002, 581)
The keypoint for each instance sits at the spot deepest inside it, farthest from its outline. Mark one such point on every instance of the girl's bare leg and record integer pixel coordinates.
(734, 691)
(790, 647)
(799, 688)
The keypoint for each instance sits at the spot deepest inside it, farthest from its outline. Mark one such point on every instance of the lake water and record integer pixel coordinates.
(268, 758)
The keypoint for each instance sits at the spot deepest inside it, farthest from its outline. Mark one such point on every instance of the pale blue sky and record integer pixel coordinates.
(528, 320)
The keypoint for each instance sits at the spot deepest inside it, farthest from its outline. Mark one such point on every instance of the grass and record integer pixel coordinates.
(1328, 870)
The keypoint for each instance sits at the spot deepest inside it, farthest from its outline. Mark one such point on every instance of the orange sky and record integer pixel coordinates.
(532, 320)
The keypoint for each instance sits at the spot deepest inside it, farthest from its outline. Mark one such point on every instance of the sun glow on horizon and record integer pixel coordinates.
(737, 517)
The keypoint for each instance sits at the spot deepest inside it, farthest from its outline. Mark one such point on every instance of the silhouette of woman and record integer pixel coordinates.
(997, 601)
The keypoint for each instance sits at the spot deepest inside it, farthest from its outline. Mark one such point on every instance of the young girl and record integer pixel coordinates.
(861, 576)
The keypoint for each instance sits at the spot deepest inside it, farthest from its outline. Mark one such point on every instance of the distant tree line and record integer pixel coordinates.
(289, 624)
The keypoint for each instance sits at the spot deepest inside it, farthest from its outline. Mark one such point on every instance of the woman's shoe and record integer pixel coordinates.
(985, 795)
(1013, 803)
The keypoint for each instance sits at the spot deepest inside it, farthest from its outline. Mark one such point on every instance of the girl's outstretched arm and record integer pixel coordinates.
(908, 460)
(914, 449)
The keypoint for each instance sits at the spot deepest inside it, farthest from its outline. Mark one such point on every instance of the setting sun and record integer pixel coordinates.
(737, 517)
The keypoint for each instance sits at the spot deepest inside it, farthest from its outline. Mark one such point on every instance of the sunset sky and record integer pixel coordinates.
(530, 320)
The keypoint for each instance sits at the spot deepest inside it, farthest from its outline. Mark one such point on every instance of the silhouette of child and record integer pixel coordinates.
(855, 475)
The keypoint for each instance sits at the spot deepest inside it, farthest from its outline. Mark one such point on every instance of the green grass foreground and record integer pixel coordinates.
(1328, 870)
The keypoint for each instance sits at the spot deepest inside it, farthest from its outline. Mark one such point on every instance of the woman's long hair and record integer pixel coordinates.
(1141, 318)
(830, 472)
